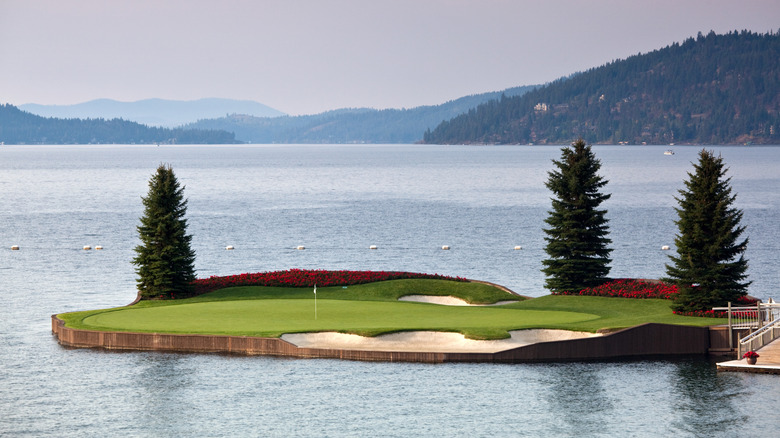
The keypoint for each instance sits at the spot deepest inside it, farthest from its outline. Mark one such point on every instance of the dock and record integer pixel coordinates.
(768, 361)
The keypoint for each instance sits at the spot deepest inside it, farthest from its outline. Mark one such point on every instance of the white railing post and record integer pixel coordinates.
(731, 330)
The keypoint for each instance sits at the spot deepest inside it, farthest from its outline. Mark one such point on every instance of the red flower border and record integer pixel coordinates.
(307, 278)
(644, 289)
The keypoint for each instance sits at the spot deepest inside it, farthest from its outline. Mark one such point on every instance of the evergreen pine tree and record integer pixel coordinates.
(577, 238)
(709, 269)
(165, 261)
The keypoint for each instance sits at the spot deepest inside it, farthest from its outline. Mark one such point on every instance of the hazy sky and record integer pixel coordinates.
(308, 56)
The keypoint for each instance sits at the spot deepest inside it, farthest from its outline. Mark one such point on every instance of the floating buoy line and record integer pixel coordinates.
(303, 247)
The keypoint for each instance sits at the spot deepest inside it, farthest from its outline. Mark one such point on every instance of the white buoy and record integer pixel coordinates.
(15, 248)
(300, 247)
(665, 248)
(518, 248)
(98, 248)
(372, 247)
(87, 248)
(229, 247)
(445, 247)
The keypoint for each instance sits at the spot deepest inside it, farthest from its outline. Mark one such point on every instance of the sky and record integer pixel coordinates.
(310, 56)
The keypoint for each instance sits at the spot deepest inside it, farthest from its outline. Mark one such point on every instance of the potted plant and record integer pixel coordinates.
(751, 357)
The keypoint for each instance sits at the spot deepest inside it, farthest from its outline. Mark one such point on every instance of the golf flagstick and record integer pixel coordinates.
(315, 301)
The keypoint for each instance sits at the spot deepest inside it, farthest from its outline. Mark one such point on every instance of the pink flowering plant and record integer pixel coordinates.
(644, 289)
(307, 278)
(750, 355)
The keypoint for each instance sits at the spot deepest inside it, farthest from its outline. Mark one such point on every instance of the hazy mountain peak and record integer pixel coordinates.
(154, 112)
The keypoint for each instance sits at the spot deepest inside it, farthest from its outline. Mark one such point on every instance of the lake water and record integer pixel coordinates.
(337, 200)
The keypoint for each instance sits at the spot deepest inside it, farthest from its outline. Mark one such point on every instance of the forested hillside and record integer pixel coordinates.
(20, 127)
(360, 125)
(714, 89)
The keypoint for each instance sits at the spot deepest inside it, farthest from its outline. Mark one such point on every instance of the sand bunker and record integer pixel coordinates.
(446, 300)
(434, 342)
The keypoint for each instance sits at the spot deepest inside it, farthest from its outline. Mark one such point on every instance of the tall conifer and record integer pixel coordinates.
(165, 261)
(709, 268)
(577, 238)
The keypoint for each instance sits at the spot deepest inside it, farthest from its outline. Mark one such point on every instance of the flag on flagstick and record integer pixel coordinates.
(315, 301)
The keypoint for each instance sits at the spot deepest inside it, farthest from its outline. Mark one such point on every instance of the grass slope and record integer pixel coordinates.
(372, 309)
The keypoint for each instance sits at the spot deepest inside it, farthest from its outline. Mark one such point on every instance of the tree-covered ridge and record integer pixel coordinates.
(20, 127)
(350, 125)
(714, 89)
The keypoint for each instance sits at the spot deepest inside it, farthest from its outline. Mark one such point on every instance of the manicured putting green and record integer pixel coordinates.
(274, 317)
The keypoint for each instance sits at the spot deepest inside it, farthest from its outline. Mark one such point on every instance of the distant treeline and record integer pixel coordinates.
(360, 125)
(20, 127)
(714, 89)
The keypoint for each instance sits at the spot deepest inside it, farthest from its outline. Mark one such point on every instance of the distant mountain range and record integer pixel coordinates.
(360, 125)
(153, 112)
(714, 89)
(107, 121)
(22, 127)
(252, 122)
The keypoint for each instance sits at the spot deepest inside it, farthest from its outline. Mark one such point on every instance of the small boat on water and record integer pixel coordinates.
(668, 152)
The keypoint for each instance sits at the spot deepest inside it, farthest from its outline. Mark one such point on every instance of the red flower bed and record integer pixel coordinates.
(630, 288)
(744, 301)
(306, 278)
(703, 313)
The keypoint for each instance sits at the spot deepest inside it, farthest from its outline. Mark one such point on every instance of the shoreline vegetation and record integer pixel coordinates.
(373, 308)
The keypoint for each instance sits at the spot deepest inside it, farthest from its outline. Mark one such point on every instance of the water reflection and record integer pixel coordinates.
(704, 399)
(578, 397)
(164, 390)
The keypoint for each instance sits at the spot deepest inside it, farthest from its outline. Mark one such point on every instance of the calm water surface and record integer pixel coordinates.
(337, 201)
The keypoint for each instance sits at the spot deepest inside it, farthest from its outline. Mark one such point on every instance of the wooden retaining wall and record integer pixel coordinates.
(719, 340)
(641, 341)
(644, 340)
(245, 345)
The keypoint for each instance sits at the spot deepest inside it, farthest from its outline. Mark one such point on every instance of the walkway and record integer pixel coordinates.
(768, 361)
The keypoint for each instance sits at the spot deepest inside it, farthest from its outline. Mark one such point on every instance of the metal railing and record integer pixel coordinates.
(763, 321)
(759, 338)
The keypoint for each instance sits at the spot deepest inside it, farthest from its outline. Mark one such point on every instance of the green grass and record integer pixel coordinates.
(372, 309)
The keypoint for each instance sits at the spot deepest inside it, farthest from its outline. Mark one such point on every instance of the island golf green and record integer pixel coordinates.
(373, 309)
